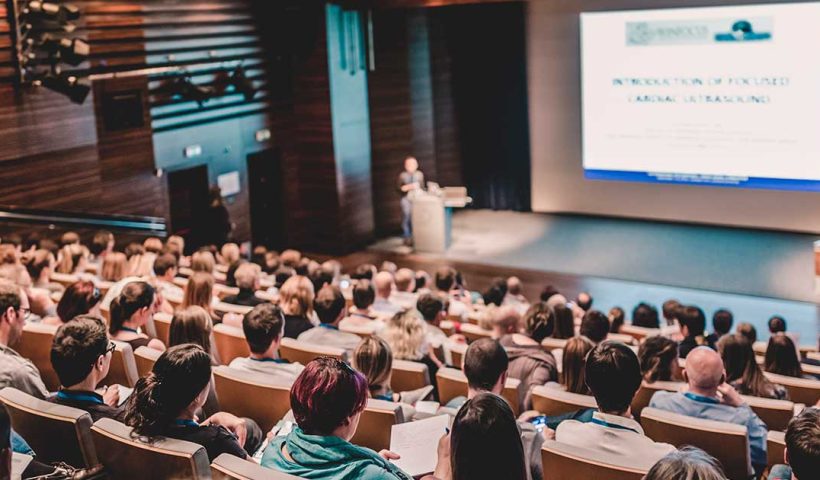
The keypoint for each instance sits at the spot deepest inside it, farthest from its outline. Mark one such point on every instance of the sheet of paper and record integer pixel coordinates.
(417, 443)
(125, 392)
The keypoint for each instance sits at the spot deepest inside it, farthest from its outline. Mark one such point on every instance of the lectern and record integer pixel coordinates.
(432, 217)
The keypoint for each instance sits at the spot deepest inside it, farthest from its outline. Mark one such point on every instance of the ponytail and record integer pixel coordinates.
(134, 296)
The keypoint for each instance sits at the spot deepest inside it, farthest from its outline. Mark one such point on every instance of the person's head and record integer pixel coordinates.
(739, 363)
(595, 326)
(230, 253)
(645, 315)
(692, 321)
(72, 257)
(199, 290)
(573, 364)
(445, 279)
(722, 322)
(495, 292)
(405, 280)
(548, 292)
(803, 444)
(247, 276)
(373, 358)
(777, 324)
(389, 267)
(432, 308)
(485, 366)
(153, 245)
(613, 375)
(670, 311)
(282, 275)
(69, 238)
(296, 296)
(688, 463)
(584, 301)
(505, 320)
(165, 266)
(363, 294)
(564, 321)
(79, 298)
(39, 264)
(658, 356)
(114, 267)
(781, 357)
(539, 321)
(748, 331)
(191, 325)
(411, 164)
(514, 286)
(175, 245)
(133, 306)
(178, 384)
(134, 249)
(81, 349)
(423, 280)
(328, 398)
(616, 317)
(485, 441)
(263, 327)
(290, 258)
(383, 284)
(203, 261)
(365, 271)
(404, 333)
(704, 370)
(330, 305)
(14, 309)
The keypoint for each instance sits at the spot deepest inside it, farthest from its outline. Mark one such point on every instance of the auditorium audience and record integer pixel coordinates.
(777, 324)
(166, 402)
(72, 258)
(16, 371)
(247, 279)
(645, 315)
(404, 332)
(327, 400)
(613, 375)
(594, 326)
(721, 325)
(101, 245)
(383, 285)
(658, 357)
(710, 397)
(515, 295)
(584, 301)
(193, 325)
(564, 322)
(203, 261)
(403, 295)
(434, 310)
(692, 324)
(199, 291)
(264, 327)
(781, 357)
(445, 282)
(81, 356)
(742, 371)
(617, 318)
(165, 270)
(296, 299)
(79, 298)
(40, 264)
(114, 267)
(495, 294)
(363, 297)
(573, 364)
(329, 306)
(748, 331)
(130, 311)
(688, 463)
(373, 358)
(802, 454)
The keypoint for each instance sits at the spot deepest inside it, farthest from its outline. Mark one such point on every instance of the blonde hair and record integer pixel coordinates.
(374, 360)
(246, 275)
(153, 245)
(203, 261)
(70, 258)
(114, 267)
(296, 296)
(230, 253)
(176, 245)
(191, 325)
(141, 265)
(198, 291)
(405, 335)
(574, 363)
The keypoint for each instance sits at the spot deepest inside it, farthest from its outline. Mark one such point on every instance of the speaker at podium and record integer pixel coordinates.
(432, 216)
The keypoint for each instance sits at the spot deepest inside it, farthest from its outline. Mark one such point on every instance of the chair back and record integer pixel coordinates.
(304, 353)
(223, 308)
(774, 413)
(162, 325)
(809, 369)
(409, 376)
(363, 331)
(457, 351)
(447, 327)
(555, 401)
(644, 395)
(64, 279)
(145, 358)
(474, 332)
(639, 333)
(128, 458)
(254, 395)
(123, 368)
(801, 390)
(453, 383)
(376, 423)
(56, 432)
(561, 461)
(622, 337)
(230, 467)
(725, 441)
(230, 343)
(775, 448)
(549, 344)
(35, 345)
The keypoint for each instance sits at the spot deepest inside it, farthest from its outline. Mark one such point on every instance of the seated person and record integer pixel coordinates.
(802, 448)
(296, 300)
(710, 397)
(403, 295)
(614, 376)
(645, 316)
(742, 371)
(405, 335)
(721, 325)
(80, 298)
(686, 464)
(264, 327)
(330, 308)
(446, 283)
(433, 310)
(81, 356)
(382, 305)
(573, 363)
(165, 402)
(165, 269)
(692, 325)
(247, 279)
(130, 311)
(659, 360)
(361, 312)
(594, 326)
(782, 358)
(327, 400)
(16, 371)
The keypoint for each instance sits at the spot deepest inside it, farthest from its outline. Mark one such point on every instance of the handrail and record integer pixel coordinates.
(145, 224)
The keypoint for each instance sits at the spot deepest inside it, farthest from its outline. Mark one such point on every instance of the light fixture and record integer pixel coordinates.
(242, 84)
(53, 11)
(72, 51)
(72, 87)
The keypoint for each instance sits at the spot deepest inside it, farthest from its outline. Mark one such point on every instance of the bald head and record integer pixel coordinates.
(704, 369)
(514, 286)
(506, 320)
(383, 284)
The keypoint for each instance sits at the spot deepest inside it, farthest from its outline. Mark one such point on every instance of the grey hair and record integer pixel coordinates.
(688, 463)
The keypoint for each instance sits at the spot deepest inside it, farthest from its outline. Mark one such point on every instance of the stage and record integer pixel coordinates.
(621, 262)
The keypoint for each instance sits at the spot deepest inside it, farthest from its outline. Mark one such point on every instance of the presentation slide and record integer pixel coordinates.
(721, 96)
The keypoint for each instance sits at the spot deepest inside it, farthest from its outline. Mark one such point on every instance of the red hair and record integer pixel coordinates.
(325, 394)
(78, 299)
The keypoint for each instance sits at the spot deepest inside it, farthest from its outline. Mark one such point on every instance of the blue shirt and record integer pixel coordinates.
(709, 409)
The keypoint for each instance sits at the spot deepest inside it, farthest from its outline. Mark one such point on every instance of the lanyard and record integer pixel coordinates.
(80, 397)
(604, 423)
(186, 422)
(328, 326)
(275, 360)
(129, 329)
(700, 398)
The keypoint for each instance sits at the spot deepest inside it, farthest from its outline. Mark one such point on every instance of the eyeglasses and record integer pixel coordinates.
(24, 312)
(110, 349)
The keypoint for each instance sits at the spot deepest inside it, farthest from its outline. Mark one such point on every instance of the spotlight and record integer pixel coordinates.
(242, 84)
(73, 51)
(70, 86)
(59, 12)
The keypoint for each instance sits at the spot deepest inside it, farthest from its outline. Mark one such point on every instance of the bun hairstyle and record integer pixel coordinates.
(178, 376)
(134, 296)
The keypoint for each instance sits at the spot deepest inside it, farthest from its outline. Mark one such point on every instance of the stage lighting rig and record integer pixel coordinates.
(242, 84)
(72, 87)
(61, 13)
(72, 51)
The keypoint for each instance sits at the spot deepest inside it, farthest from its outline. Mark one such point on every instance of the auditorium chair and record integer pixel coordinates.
(644, 394)
(774, 413)
(230, 343)
(363, 331)
(261, 397)
(457, 351)
(35, 345)
(623, 338)
(474, 332)
(162, 325)
(302, 352)
(145, 358)
(453, 383)
(64, 279)
(222, 308)
(725, 441)
(813, 355)
(810, 369)
(409, 376)
(775, 448)
(130, 458)
(560, 462)
(555, 401)
(447, 327)
(639, 333)
(549, 344)
(56, 432)
(376, 423)
(123, 368)
(231, 467)
(801, 390)
(221, 291)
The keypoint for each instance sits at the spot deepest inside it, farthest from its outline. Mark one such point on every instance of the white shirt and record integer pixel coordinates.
(614, 435)
(403, 299)
(278, 369)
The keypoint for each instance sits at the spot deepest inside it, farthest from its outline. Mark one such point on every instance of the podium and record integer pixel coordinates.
(432, 217)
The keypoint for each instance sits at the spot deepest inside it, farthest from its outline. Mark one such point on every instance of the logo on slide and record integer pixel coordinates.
(742, 32)
(693, 32)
